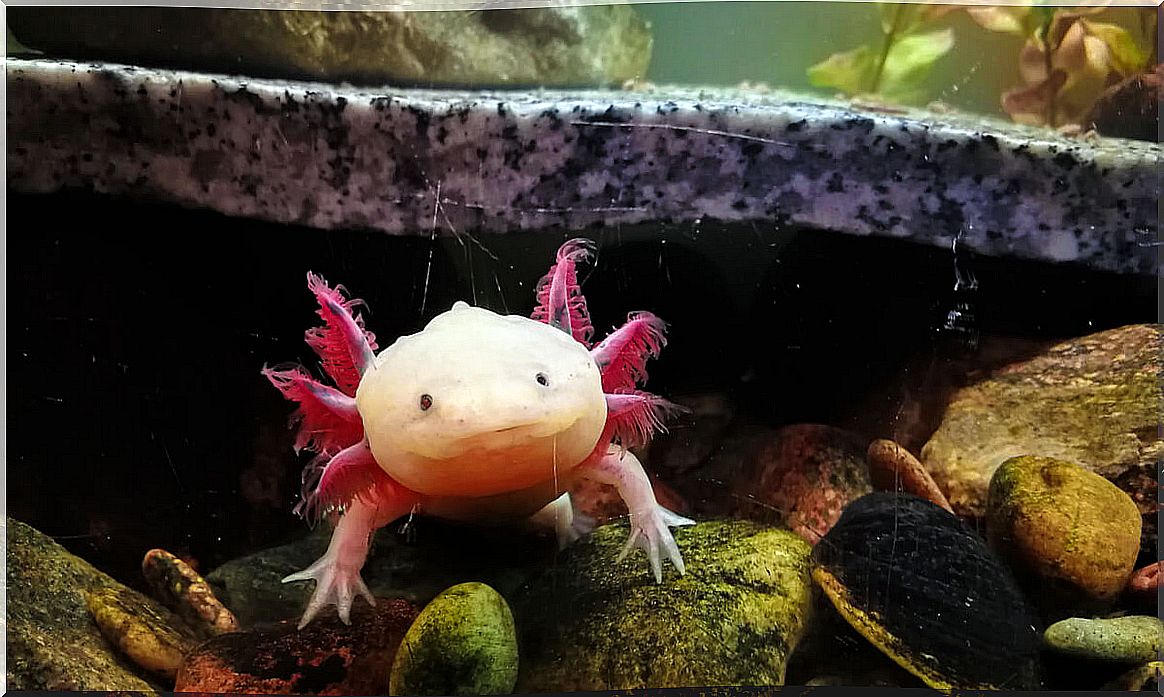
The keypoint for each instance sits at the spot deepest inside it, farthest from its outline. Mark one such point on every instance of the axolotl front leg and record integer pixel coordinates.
(649, 521)
(350, 480)
(337, 573)
(632, 415)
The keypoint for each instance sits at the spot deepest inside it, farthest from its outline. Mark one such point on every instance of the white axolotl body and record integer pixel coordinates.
(512, 404)
(479, 417)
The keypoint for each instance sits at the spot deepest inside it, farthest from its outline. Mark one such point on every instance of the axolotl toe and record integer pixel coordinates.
(479, 417)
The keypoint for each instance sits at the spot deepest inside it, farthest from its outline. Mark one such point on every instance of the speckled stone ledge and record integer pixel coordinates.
(409, 162)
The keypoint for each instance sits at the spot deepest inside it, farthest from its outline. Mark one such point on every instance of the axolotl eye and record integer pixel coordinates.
(425, 402)
(542, 380)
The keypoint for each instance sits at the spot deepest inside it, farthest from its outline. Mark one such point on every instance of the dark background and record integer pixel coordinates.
(138, 417)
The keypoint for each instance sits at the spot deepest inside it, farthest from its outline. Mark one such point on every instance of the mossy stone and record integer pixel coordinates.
(1130, 639)
(463, 642)
(1094, 400)
(1070, 534)
(591, 622)
(52, 641)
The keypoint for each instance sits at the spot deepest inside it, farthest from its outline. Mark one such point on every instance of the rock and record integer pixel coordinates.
(463, 643)
(907, 405)
(920, 586)
(182, 590)
(593, 623)
(1131, 108)
(1142, 678)
(1093, 400)
(416, 566)
(804, 474)
(151, 636)
(542, 47)
(1129, 639)
(325, 657)
(893, 468)
(52, 641)
(1071, 536)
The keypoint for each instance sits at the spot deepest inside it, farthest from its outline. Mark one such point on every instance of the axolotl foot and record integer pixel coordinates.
(650, 532)
(335, 584)
(337, 572)
(650, 523)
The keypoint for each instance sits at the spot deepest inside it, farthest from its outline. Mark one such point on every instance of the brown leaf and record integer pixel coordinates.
(1033, 62)
(1030, 105)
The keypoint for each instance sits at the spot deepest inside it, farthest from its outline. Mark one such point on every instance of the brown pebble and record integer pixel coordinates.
(1147, 579)
(180, 588)
(893, 468)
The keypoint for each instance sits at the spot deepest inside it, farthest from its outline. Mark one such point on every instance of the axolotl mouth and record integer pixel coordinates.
(508, 437)
(493, 460)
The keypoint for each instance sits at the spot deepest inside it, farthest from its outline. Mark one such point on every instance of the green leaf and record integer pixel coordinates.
(1127, 56)
(848, 71)
(909, 61)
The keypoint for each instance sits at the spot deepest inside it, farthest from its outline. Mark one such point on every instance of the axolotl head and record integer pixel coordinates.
(478, 404)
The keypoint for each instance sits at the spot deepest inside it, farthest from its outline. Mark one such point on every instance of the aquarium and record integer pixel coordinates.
(544, 347)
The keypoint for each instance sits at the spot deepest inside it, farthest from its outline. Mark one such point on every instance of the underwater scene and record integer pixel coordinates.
(549, 347)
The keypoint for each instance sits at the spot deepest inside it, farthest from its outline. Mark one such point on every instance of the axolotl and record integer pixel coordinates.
(479, 417)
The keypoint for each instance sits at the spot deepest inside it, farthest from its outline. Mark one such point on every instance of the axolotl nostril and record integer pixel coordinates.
(479, 417)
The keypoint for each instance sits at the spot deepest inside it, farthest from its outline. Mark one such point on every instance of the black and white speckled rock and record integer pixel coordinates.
(334, 157)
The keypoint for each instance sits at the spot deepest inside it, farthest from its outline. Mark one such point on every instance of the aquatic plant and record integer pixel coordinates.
(895, 70)
(1068, 58)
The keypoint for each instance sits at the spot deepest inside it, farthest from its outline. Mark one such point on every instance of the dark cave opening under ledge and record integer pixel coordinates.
(139, 329)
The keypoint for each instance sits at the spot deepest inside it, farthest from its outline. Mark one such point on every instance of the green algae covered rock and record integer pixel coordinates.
(52, 641)
(1067, 532)
(463, 642)
(551, 46)
(1094, 400)
(593, 623)
(1131, 639)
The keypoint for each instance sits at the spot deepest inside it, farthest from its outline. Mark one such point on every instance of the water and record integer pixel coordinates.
(139, 418)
